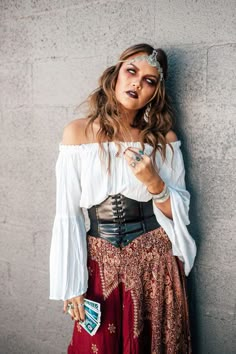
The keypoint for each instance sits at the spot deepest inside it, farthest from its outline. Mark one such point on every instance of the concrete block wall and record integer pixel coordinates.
(51, 55)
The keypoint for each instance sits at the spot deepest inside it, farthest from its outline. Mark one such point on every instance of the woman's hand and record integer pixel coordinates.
(77, 308)
(143, 169)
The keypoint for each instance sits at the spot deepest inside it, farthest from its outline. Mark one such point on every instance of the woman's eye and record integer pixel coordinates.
(131, 71)
(151, 82)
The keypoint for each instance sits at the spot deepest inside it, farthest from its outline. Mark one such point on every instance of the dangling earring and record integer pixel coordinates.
(147, 111)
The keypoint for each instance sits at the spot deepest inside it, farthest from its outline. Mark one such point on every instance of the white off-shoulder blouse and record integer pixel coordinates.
(82, 181)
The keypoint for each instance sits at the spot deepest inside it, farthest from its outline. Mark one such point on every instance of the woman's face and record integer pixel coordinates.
(136, 84)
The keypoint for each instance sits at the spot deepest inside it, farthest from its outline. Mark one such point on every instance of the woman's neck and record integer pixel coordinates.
(127, 132)
(127, 118)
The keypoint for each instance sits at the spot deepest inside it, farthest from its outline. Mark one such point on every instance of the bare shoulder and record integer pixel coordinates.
(74, 132)
(171, 137)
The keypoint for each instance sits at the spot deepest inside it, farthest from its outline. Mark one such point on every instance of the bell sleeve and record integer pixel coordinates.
(68, 253)
(172, 172)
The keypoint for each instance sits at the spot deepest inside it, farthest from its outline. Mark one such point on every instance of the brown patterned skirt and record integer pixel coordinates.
(142, 291)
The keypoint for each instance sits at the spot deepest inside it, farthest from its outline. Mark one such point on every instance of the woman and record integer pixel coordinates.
(123, 164)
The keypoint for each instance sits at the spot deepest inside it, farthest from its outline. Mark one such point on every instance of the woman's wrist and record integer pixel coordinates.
(159, 195)
(156, 187)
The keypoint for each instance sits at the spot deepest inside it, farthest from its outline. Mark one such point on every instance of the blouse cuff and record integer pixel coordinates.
(183, 245)
(68, 258)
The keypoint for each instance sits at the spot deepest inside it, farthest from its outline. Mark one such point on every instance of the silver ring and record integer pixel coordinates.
(80, 305)
(133, 164)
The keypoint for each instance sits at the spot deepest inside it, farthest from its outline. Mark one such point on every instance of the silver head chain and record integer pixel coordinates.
(151, 59)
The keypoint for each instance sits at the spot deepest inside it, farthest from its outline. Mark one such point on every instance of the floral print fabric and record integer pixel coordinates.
(142, 291)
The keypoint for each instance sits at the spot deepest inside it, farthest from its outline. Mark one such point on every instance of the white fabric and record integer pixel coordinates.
(83, 181)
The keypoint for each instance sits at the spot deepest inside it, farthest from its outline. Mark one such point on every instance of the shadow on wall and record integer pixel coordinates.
(176, 60)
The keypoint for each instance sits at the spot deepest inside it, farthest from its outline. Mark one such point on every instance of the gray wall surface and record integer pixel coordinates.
(51, 55)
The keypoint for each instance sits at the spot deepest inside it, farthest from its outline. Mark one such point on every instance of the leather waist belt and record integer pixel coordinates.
(120, 220)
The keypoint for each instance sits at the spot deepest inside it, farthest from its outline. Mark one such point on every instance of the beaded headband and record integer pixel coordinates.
(151, 59)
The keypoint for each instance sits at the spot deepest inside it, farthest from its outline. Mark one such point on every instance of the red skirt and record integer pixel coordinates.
(142, 292)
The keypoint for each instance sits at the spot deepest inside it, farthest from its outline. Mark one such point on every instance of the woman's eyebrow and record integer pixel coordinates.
(139, 69)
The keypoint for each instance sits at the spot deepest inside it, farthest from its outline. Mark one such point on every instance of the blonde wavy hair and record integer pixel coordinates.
(102, 104)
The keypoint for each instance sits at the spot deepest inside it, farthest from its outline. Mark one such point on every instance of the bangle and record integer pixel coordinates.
(163, 196)
(163, 199)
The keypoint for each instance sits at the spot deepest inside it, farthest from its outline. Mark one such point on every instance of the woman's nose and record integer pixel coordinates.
(136, 84)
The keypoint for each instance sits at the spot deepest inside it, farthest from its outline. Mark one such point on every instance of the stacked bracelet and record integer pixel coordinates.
(161, 197)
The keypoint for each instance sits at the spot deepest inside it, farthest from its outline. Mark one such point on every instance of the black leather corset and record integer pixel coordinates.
(120, 220)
